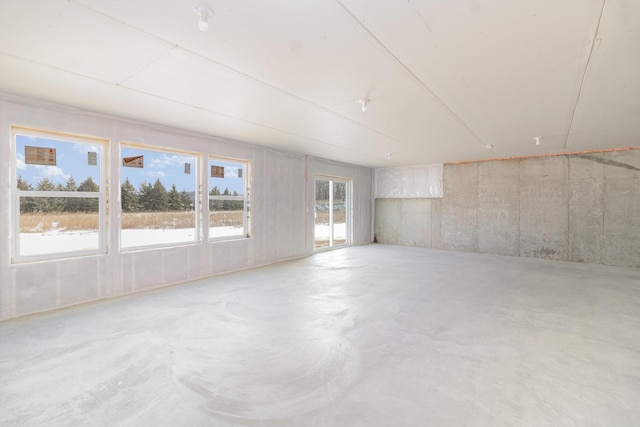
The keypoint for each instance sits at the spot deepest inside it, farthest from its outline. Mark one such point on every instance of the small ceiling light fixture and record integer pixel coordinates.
(487, 146)
(363, 103)
(537, 139)
(204, 12)
(389, 156)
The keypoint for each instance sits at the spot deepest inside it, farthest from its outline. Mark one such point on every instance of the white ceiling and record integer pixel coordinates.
(444, 78)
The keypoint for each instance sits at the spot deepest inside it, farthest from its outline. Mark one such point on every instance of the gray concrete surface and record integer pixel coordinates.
(416, 222)
(622, 208)
(459, 222)
(498, 207)
(376, 335)
(404, 222)
(388, 223)
(436, 223)
(586, 216)
(581, 208)
(544, 208)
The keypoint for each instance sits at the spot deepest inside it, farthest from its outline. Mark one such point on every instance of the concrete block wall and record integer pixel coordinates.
(581, 208)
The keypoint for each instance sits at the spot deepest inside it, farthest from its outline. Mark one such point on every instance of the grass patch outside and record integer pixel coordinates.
(81, 221)
(67, 221)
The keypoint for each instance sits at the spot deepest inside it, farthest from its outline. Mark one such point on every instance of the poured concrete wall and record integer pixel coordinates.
(498, 207)
(405, 222)
(282, 209)
(586, 208)
(621, 201)
(544, 208)
(582, 208)
(459, 224)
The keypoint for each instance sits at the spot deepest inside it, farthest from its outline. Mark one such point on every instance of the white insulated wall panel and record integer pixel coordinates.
(281, 198)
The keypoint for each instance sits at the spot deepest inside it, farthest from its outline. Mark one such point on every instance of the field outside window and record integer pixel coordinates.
(59, 195)
(332, 213)
(228, 198)
(158, 197)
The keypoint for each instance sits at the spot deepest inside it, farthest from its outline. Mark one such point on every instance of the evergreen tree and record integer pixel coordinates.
(174, 199)
(156, 198)
(45, 185)
(88, 185)
(322, 190)
(236, 204)
(145, 195)
(45, 204)
(215, 205)
(187, 204)
(71, 185)
(24, 185)
(58, 203)
(227, 205)
(27, 204)
(339, 192)
(88, 205)
(161, 197)
(128, 197)
(71, 204)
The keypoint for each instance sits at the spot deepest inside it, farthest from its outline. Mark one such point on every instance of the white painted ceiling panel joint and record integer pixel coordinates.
(149, 64)
(407, 69)
(594, 44)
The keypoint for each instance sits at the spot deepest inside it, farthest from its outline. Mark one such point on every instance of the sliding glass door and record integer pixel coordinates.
(332, 212)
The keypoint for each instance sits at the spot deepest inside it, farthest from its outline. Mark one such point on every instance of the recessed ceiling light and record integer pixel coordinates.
(537, 140)
(487, 146)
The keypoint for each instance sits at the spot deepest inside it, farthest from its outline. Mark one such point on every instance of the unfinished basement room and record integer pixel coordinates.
(351, 213)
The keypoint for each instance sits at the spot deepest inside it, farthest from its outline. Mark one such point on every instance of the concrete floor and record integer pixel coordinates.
(365, 336)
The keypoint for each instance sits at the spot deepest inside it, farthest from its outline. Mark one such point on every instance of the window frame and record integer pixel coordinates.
(102, 195)
(246, 198)
(197, 196)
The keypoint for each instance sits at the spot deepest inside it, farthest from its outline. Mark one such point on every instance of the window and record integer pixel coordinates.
(158, 197)
(228, 198)
(59, 195)
(332, 212)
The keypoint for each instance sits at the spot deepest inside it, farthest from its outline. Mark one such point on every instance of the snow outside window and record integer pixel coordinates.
(228, 198)
(59, 195)
(158, 197)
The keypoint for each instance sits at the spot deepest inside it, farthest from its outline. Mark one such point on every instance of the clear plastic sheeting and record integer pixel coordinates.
(409, 182)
